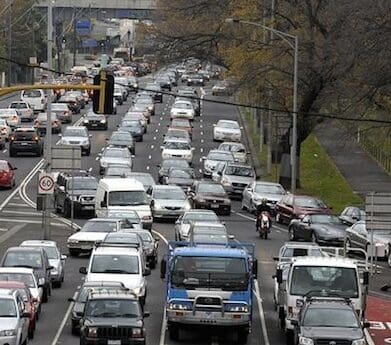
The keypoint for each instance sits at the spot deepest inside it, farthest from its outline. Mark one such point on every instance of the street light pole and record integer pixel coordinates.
(9, 43)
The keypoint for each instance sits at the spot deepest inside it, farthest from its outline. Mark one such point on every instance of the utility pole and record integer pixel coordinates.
(269, 120)
(9, 43)
(48, 139)
(74, 36)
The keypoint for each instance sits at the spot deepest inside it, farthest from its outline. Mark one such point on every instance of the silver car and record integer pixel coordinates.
(77, 136)
(14, 318)
(227, 130)
(213, 158)
(115, 156)
(168, 202)
(56, 259)
(238, 150)
(257, 190)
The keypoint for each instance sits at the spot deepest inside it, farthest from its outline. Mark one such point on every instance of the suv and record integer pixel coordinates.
(15, 319)
(112, 317)
(81, 191)
(35, 258)
(25, 140)
(123, 264)
(77, 136)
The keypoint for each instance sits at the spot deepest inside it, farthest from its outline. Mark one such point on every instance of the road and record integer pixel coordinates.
(19, 221)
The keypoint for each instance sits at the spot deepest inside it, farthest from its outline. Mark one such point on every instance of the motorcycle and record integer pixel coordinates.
(263, 224)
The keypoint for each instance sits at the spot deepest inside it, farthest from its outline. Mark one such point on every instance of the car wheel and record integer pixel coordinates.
(67, 209)
(152, 264)
(291, 234)
(74, 328)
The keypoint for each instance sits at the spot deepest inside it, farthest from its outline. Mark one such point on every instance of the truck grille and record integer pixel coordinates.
(333, 342)
(114, 332)
(208, 301)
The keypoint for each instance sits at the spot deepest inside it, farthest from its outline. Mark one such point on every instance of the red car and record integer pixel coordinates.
(7, 174)
(297, 206)
(28, 302)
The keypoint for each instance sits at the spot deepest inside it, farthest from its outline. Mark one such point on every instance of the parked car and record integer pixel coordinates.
(7, 174)
(227, 130)
(351, 215)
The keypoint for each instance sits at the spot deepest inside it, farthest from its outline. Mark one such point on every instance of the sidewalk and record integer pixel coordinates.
(359, 169)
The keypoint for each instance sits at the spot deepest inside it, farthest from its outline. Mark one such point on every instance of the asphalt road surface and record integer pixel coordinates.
(20, 221)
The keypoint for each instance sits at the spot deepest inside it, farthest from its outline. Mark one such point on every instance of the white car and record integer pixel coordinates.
(115, 156)
(177, 149)
(23, 109)
(227, 130)
(36, 98)
(214, 158)
(5, 130)
(118, 264)
(182, 109)
(77, 136)
(238, 150)
(11, 116)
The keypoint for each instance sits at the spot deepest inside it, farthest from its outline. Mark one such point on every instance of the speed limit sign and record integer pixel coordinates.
(45, 183)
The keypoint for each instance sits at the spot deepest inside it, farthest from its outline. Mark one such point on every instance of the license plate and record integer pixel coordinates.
(88, 207)
(214, 206)
(85, 247)
(94, 125)
(24, 144)
(113, 342)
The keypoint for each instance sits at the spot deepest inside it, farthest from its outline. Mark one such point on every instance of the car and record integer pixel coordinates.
(77, 136)
(134, 127)
(256, 191)
(71, 101)
(181, 177)
(7, 174)
(213, 158)
(116, 156)
(35, 258)
(123, 264)
(146, 102)
(11, 116)
(179, 123)
(14, 328)
(177, 149)
(141, 108)
(238, 150)
(78, 94)
(164, 82)
(117, 171)
(182, 109)
(25, 112)
(154, 90)
(235, 177)
(173, 134)
(323, 229)
(168, 202)
(123, 139)
(120, 94)
(204, 233)
(79, 299)
(210, 195)
(166, 164)
(182, 225)
(64, 114)
(41, 120)
(5, 130)
(328, 320)
(145, 178)
(95, 229)
(132, 84)
(205, 74)
(293, 206)
(95, 121)
(222, 88)
(195, 79)
(150, 245)
(137, 116)
(36, 98)
(358, 236)
(352, 214)
(56, 259)
(25, 140)
(191, 95)
(126, 327)
(28, 300)
(124, 82)
(77, 190)
(227, 130)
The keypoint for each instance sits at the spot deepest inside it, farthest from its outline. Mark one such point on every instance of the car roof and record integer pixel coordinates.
(102, 220)
(227, 121)
(116, 251)
(177, 140)
(102, 283)
(324, 261)
(20, 270)
(215, 252)
(42, 243)
(166, 187)
(220, 151)
(24, 249)
(236, 164)
(119, 184)
(207, 224)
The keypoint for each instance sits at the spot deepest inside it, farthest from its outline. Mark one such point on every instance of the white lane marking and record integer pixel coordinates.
(149, 157)
(200, 170)
(11, 232)
(161, 118)
(5, 151)
(154, 138)
(158, 124)
(152, 147)
(27, 221)
(200, 126)
(202, 140)
(3, 229)
(17, 205)
(200, 159)
(22, 212)
(201, 120)
(62, 325)
(201, 150)
(97, 158)
(148, 167)
(202, 133)
(261, 314)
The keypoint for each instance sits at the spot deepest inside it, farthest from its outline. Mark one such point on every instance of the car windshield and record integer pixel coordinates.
(169, 194)
(269, 189)
(130, 124)
(200, 217)
(324, 219)
(330, 317)
(93, 226)
(26, 278)
(75, 132)
(324, 281)
(239, 171)
(182, 105)
(130, 216)
(59, 107)
(232, 148)
(179, 163)
(145, 179)
(116, 264)
(51, 252)
(83, 184)
(7, 307)
(309, 202)
(220, 156)
(211, 188)
(231, 125)
(128, 198)
(31, 93)
(122, 308)
(23, 259)
(116, 153)
(177, 173)
(19, 105)
(177, 145)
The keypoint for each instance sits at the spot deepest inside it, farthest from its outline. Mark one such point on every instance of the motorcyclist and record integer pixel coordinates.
(262, 207)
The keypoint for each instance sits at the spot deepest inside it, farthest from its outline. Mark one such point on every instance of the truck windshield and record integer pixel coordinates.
(128, 198)
(211, 272)
(323, 280)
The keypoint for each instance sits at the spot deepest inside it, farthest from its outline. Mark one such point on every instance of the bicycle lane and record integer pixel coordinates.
(379, 315)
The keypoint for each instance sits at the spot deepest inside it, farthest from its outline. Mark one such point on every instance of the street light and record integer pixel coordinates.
(295, 46)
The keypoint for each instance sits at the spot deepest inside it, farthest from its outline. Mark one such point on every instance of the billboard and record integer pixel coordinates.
(83, 27)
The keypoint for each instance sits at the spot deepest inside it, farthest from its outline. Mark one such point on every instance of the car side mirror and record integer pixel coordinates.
(90, 135)
(41, 282)
(147, 272)
(279, 275)
(83, 270)
(102, 204)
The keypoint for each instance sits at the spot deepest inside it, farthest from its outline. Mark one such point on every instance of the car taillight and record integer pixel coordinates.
(12, 138)
(3, 129)
(36, 138)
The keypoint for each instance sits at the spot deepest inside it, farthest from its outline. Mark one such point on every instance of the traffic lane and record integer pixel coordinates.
(379, 315)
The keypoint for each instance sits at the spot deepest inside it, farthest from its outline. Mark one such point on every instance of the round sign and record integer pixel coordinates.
(46, 183)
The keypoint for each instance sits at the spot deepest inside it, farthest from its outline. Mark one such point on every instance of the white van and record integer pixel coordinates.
(121, 195)
(36, 98)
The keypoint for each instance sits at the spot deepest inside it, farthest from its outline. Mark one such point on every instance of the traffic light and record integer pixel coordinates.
(103, 105)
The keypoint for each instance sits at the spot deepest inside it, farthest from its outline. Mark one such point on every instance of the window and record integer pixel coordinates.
(23, 259)
(127, 198)
(329, 317)
(116, 264)
(7, 308)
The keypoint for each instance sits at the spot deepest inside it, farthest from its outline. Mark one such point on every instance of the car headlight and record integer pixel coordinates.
(146, 218)
(135, 85)
(139, 291)
(92, 331)
(7, 333)
(156, 205)
(137, 332)
(72, 240)
(85, 121)
(54, 271)
(359, 342)
(179, 306)
(103, 163)
(225, 182)
(103, 121)
(237, 308)
(74, 197)
(84, 142)
(150, 108)
(187, 207)
(305, 341)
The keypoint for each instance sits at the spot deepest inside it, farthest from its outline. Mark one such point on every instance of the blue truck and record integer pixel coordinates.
(209, 286)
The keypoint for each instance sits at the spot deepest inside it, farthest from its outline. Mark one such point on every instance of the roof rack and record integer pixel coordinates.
(99, 244)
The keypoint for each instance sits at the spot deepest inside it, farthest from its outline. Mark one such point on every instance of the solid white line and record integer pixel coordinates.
(17, 205)
(368, 337)
(200, 159)
(201, 150)
(200, 171)
(161, 118)
(261, 314)
(149, 157)
(154, 138)
(22, 212)
(202, 140)
(161, 236)
(27, 221)
(200, 126)
(158, 124)
(202, 133)
(3, 229)
(62, 325)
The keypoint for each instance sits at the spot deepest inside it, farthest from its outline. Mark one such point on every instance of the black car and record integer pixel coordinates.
(134, 127)
(95, 121)
(182, 177)
(80, 297)
(82, 191)
(170, 163)
(319, 228)
(31, 257)
(123, 139)
(25, 140)
(328, 321)
(210, 195)
(351, 215)
(112, 317)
